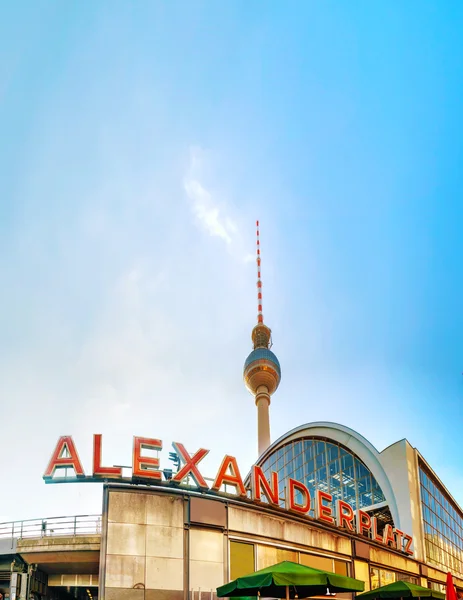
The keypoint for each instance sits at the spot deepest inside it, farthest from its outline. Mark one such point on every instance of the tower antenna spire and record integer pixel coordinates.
(260, 316)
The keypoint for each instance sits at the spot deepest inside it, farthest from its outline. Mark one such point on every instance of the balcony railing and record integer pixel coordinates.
(52, 527)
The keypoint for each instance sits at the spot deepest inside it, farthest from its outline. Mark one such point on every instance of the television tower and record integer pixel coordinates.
(261, 371)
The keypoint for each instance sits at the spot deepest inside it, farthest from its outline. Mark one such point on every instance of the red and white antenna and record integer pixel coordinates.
(260, 316)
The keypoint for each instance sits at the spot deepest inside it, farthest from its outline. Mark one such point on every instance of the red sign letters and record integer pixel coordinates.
(297, 500)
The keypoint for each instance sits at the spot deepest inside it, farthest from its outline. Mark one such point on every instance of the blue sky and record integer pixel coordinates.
(139, 143)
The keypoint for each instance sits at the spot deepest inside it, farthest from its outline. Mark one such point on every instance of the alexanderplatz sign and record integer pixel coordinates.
(145, 469)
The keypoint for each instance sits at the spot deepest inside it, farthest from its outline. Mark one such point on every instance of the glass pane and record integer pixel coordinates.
(361, 469)
(267, 556)
(333, 451)
(289, 453)
(334, 468)
(374, 578)
(348, 492)
(320, 448)
(348, 466)
(341, 567)
(320, 460)
(362, 572)
(317, 562)
(377, 494)
(321, 475)
(286, 555)
(241, 559)
(310, 466)
(364, 500)
(386, 577)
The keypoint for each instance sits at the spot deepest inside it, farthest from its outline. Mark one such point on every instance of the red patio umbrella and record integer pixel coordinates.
(450, 593)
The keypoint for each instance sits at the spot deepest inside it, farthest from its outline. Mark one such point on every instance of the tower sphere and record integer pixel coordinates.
(262, 368)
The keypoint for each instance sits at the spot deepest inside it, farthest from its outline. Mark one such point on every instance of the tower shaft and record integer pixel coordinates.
(263, 419)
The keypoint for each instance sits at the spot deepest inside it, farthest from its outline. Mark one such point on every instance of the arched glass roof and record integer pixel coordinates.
(327, 466)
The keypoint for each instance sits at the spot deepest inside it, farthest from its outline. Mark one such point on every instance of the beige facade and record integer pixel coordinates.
(143, 546)
(165, 544)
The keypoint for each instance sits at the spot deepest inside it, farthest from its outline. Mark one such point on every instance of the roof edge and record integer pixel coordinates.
(314, 424)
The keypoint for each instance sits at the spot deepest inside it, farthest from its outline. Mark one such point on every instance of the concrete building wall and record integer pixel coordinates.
(253, 523)
(144, 540)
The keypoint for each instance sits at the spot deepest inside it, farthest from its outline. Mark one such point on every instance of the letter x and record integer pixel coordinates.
(190, 465)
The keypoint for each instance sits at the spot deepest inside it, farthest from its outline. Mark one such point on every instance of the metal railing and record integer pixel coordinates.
(51, 527)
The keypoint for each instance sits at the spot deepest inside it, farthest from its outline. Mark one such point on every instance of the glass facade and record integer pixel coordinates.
(442, 525)
(325, 466)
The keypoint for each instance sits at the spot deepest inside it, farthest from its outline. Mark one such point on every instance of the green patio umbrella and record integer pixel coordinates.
(289, 580)
(401, 589)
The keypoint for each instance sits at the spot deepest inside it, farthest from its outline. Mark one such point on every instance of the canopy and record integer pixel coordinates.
(401, 589)
(288, 579)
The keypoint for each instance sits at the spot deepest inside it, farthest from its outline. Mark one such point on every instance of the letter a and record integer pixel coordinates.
(64, 456)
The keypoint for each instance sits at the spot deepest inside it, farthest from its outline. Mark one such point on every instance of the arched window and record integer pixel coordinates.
(328, 466)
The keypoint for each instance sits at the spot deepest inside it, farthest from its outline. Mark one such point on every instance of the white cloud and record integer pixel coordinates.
(206, 209)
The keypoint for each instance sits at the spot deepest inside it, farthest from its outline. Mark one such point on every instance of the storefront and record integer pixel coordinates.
(175, 544)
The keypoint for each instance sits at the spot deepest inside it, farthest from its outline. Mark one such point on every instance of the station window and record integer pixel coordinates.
(269, 555)
(325, 564)
(242, 559)
(362, 572)
(407, 578)
(317, 562)
(437, 587)
(341, 567)
(374, 578)
(380, 577)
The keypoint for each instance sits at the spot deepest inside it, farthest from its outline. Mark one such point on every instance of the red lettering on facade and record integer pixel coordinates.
(398, 538)
(293, 487)
(146, 467)
(260, 484)
(345, 515)
(190, 465)
(298, 496)
(408, 543)
(323, 512)
(232, 478)
(388, 536)
(64, 456)
(98, 469)
(374, 531)
(363, 522)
